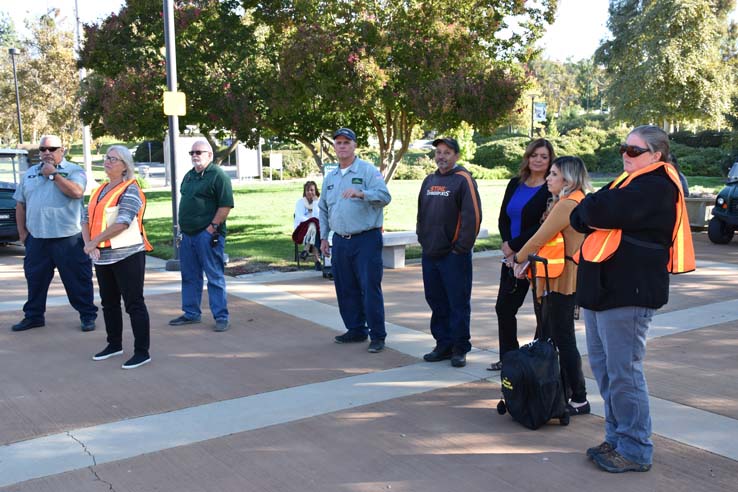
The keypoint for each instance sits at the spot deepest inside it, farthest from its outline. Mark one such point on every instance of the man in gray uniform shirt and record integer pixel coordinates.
(351, 206)
(48, 211)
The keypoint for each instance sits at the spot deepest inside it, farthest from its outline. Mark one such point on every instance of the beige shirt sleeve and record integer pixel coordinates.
(557, 221)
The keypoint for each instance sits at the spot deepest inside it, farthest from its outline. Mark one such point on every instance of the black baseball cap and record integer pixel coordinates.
(452, 143)
(345, 132)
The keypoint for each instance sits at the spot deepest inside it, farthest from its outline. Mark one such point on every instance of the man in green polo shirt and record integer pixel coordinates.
(206, 200)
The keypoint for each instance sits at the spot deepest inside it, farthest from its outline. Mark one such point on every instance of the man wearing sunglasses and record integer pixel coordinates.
(48, 211)
(207, 198)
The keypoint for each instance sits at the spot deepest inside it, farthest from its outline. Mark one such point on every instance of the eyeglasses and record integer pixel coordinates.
(198, 152)
(48, 149)
(632, 150)
(112, 159)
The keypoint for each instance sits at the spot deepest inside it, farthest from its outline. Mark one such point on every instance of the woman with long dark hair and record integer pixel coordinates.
(522, 207)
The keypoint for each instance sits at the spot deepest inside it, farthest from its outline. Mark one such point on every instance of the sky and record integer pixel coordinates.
(579, 27)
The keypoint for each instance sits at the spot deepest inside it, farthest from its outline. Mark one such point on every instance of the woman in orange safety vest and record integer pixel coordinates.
(112, 227)
(557, 241)
(637, 233)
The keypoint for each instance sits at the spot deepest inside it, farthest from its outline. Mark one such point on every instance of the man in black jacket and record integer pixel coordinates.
(449, 215)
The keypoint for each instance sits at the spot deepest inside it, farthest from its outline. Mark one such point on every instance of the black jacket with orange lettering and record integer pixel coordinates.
(449, 213)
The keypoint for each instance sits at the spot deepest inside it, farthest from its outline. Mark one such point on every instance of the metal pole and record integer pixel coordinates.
(13, 52)
(86, 152)
(532, 99)
(171, 62)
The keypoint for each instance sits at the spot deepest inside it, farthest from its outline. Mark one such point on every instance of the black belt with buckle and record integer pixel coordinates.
(349, 236)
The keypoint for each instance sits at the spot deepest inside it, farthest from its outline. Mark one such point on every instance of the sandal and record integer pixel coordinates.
(496, 366)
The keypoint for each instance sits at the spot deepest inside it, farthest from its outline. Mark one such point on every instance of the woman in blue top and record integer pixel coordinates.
(525, 201)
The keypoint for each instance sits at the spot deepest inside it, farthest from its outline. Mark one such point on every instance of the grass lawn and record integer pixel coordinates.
(260, 225)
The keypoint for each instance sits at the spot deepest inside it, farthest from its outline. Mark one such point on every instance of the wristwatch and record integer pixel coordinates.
(52, 176)
(215, 226)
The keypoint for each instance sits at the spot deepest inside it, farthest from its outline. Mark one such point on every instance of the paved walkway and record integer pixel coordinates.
(273, 404)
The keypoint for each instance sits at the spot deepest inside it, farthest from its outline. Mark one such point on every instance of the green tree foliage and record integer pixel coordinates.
(47, 79)
(664, 60)
(387, 67)
(215, 66)
(298, 69)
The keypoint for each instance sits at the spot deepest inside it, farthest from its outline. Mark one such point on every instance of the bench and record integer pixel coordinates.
(394, 243)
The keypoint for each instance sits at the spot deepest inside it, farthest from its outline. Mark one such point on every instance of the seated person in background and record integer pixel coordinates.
(307, 226)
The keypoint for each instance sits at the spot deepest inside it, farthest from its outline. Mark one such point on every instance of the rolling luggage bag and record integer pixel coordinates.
(532, 387)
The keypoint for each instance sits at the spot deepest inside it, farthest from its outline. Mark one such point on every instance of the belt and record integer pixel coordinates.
(349, 236)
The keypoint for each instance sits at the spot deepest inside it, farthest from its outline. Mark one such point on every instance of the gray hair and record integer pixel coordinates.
(127, 158)
(203, 142)
(656, 139)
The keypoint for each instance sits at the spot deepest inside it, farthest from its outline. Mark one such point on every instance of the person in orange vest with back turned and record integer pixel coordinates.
(637, 233)
(557, 241)
(117, 244)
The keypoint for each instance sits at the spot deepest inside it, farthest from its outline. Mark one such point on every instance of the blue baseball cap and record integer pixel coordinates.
(345, 132)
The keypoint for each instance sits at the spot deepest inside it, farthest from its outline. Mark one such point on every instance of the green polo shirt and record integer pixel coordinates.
(202, 194)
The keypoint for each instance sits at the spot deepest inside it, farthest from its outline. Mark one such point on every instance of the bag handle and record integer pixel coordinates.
(534, 259)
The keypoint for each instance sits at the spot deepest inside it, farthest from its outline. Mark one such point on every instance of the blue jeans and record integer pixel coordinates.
(195, 257)
(67, 255)
(447, 281)
(357, 274)
(616, 340)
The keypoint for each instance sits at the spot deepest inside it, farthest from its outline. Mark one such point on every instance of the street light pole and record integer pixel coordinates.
(13, 52)
(171, 68)
(532, 110)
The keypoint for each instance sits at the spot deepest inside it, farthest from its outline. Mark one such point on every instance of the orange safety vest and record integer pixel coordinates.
(600, 245)
(554, 250)
(96, 210)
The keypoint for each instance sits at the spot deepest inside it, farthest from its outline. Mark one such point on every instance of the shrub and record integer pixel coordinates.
(142, 151)
(702, 161)
(479, 172)
(505, 152)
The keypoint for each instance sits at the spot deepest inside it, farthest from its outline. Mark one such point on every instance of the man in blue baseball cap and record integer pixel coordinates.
(351, 206)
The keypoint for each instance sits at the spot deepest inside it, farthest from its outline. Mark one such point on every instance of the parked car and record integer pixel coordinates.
(722, 226)
(13, 165)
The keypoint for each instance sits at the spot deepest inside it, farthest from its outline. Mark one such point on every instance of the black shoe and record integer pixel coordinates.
(183, 320)
(109, 352)
(495, 366)
(437, 355)
(351, 337)
(458, 360)
(88, 325)
(583, 410)
(222, 325)
(304, 254)
(136, 361)
(27, 324)
(604, 447)
(318, 266)
(376, 346)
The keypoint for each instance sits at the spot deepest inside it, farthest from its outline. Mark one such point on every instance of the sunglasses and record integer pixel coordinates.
(198, 152)
(632, 150)
(48, 149)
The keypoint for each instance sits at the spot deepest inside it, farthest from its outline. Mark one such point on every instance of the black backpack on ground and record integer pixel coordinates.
(532, 386)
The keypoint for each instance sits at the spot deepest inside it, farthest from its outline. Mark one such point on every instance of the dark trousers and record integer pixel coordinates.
(558, 315)
(447, 281)
(125, 279)
(67, 255)
(510, 297)
(357, 274)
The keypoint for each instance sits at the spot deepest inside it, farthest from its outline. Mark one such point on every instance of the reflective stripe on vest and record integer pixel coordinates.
(97, 220)
(600, 245)
(555, 249)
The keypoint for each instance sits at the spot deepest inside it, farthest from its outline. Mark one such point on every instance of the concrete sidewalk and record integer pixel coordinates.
(274, 404)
